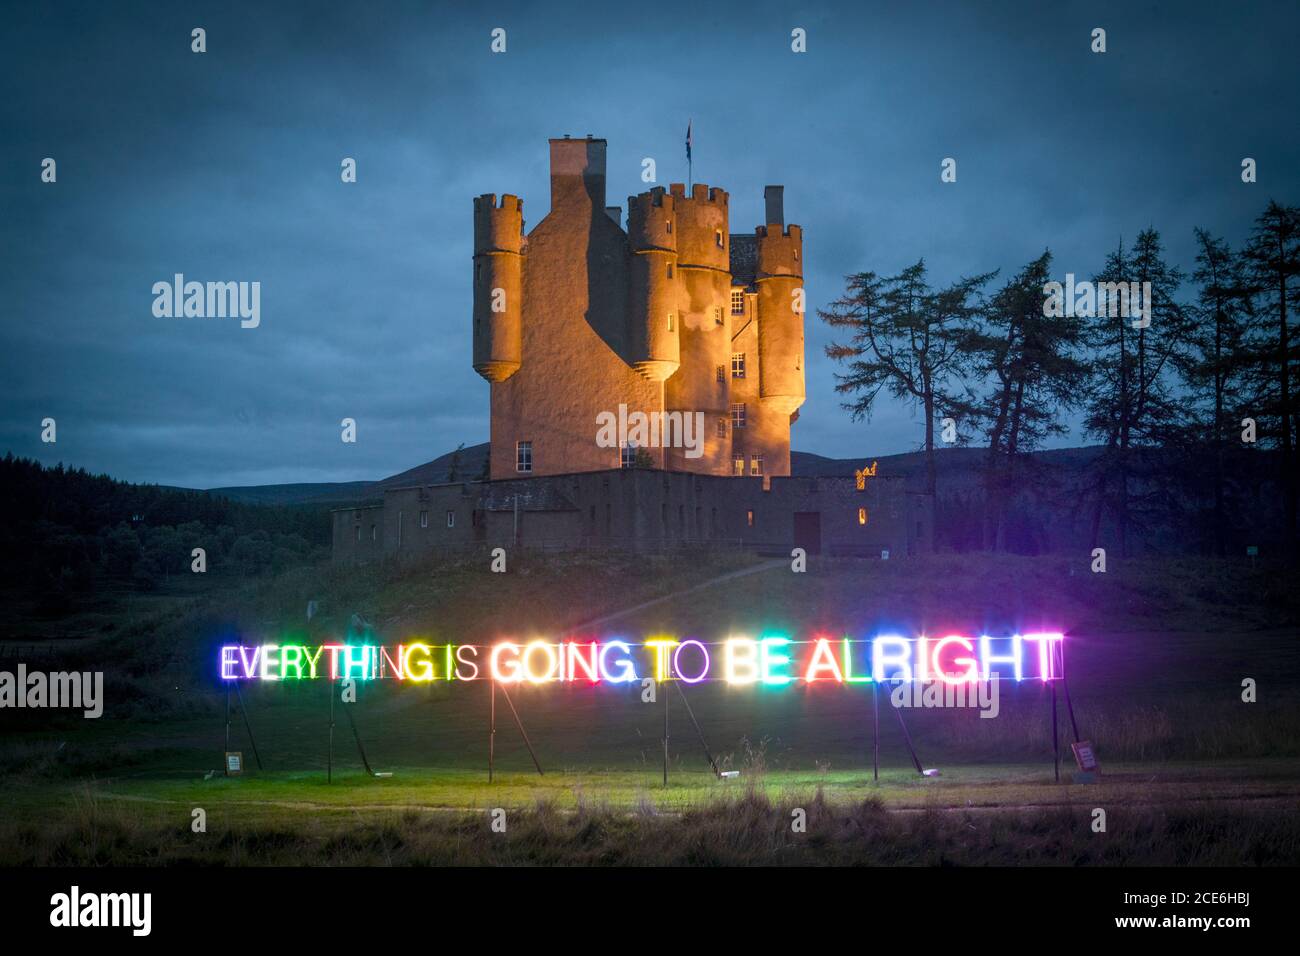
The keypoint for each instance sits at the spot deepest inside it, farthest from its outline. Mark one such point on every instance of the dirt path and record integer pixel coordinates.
(1256, 802)
(729, 576)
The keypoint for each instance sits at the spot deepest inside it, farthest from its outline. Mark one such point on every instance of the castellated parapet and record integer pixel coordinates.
(676, 315)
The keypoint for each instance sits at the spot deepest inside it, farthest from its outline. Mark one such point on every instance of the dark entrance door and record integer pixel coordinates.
(808, 531)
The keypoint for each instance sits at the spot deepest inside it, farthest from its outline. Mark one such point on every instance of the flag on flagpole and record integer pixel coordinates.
(688, 140)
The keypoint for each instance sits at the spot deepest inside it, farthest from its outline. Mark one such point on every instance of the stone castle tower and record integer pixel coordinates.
(675, 314)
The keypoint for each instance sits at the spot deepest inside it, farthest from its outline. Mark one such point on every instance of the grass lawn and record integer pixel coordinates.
(1156, 657)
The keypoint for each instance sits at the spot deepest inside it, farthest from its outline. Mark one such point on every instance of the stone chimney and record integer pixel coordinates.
(578, 172)
(774, 199)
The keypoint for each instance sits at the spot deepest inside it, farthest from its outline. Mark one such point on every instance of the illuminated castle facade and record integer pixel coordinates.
(675, 314)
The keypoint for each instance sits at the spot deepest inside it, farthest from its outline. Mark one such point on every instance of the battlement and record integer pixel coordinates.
(700, 192)
(780, 250)
(498, 227)
(489, 201)
(789, 232)
(651, 218)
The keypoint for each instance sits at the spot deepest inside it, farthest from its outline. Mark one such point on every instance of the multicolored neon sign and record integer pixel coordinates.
(770, 660)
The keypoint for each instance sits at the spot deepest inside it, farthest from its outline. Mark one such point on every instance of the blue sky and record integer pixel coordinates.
(225, 165)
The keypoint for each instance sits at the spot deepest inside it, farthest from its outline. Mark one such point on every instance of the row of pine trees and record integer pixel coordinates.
(1174, 404)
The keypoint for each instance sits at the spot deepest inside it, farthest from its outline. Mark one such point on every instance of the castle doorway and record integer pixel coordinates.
(808, 531)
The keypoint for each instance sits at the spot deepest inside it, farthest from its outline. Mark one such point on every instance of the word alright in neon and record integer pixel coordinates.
(769, 660)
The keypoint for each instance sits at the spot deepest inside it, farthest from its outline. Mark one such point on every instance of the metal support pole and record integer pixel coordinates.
(1074, 726)
(522, 733)
(1056, 740)
(353, 724)
(329, 763)
(492, 730)
(907, 739)
(704, 743)
(665, 736)
(243, 709)
(875, 733)
(227, 720)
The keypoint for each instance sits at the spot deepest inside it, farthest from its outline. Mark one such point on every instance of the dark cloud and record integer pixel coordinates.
(225, 166)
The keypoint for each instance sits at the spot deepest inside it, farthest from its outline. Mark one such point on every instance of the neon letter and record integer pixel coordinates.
(823, 658)
(588, 665)
(660, 646)
(553, 671)
(704, 671)
(420, 670)
(972, 672)
(461, 660)
(901, 655)
(770, 658)
(741, 656)
(989, 658)
(512, 675)
(626, 673)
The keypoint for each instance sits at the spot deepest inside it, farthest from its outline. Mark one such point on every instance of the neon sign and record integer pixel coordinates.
(771, 660)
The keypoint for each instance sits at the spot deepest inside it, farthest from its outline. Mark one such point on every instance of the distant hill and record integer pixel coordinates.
(343, 493)
(951, 464)
(322, 492)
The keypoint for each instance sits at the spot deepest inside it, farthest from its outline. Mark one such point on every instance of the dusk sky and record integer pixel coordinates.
(225, 166)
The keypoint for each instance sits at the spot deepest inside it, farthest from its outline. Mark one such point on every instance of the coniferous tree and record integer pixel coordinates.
(906, 340)
(1132, 399)
(1273, 254)
(1212, 369)
(1028, 356)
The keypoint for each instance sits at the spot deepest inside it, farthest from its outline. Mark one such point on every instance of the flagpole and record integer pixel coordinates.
(690, 162)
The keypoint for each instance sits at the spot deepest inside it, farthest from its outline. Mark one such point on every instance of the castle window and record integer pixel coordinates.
(627, 456)
(358, 532)
(717, 315)
(737, 364)
(668, 225)
(749, 518)
(737, 414)
(722, 373)
(796, 255)
(424, 519)
(737, 301)
(374, 533)
(451, 519)
(722, 428)
(670, 270)
(524, 456)
(672, 323)
(756, 465)
(862, 516)
(717, 237)
(737, 465)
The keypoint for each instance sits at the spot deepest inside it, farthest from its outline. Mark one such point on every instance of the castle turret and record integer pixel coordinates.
(702, 383)
(498, 286)
(780, 316)
(653, 286)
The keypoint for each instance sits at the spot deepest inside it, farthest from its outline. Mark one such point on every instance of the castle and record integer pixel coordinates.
(676, 316)
(676, 319)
